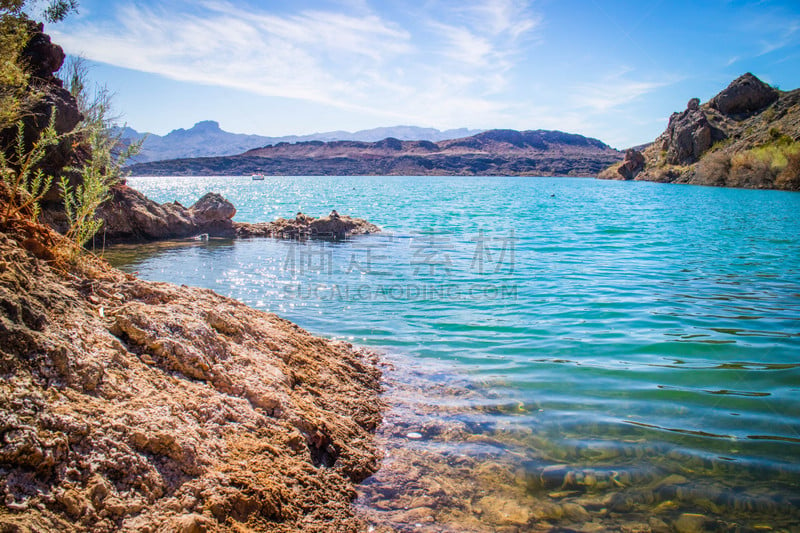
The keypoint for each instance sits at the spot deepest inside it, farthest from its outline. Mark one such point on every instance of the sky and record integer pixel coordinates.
(613, 70)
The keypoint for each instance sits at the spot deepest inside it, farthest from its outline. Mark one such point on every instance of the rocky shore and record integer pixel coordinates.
(131, 217)
(128, 405)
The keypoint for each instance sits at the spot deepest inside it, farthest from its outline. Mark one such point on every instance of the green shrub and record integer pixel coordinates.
(25, 183)
(101, 169)
(749, 169)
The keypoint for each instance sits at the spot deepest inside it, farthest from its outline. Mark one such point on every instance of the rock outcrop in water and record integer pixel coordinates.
(129, 216)
(127, 405)
(494, 152)
(334, 226)
(748, 136)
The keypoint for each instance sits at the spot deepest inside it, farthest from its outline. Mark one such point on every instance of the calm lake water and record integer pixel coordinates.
(567, 354)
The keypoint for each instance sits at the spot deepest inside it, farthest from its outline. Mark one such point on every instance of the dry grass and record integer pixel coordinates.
(789, 178)
(714, 169)
(770, 165)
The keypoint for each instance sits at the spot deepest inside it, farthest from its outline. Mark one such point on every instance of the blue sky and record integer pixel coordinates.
(611, 70)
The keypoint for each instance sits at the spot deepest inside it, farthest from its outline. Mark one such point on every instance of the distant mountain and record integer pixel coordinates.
(207, 139)
(494, 152)
(746, 136)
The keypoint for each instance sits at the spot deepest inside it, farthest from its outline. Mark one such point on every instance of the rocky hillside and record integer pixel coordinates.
(206, 139)
(747, 136)
(128, 405)
(495, 152)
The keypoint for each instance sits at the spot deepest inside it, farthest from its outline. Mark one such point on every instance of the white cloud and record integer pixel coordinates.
(613, 91)
(353, 59)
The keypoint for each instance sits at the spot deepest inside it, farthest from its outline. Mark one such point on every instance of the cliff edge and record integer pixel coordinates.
(746, 136)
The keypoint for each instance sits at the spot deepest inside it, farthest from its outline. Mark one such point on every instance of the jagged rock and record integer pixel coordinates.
(744, 95)
(334, 226)
(631, 165)
(43, 57)
(747, 115)
(129, 216)
(688, 135)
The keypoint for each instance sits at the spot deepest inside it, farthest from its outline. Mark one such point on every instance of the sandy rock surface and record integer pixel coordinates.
(128, 405)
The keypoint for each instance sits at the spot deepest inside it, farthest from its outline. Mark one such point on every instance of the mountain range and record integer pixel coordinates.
(207, 139)
(493, 152)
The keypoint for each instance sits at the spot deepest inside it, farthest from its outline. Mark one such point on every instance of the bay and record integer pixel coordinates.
(558, 346)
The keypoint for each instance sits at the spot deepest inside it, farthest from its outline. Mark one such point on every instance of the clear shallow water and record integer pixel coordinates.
(557, 326)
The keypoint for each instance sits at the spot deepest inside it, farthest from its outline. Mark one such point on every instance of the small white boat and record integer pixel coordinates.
(258, 177)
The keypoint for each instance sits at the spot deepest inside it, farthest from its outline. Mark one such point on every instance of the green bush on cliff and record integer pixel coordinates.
(106, 155)
(16, 95)
(97, 152)
(25, 183)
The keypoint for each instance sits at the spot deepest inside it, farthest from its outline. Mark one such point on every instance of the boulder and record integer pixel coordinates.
(332, 227)
(212, 208)
(745, 95)
(43, 57)
(129, 216)
(632, 164)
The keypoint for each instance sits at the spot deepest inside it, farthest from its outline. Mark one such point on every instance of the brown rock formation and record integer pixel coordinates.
(128, 405)
(716, 143)
(744, 95)
(44, 59)
(334, 227)
(129, 216)
(689, 134)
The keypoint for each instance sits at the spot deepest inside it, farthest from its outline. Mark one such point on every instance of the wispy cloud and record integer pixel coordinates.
(613, 91)
(352, 59)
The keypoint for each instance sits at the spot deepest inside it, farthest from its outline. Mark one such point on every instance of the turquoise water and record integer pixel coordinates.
(597, 327)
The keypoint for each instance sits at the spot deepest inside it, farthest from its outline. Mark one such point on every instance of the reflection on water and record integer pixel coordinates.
(127, 255)
(622, 356)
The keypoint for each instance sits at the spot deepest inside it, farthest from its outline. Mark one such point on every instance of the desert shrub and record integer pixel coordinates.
(102, 167)
(714, 168)
(25, 183)
(749, 169)
(17, 96)
(789, 178)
